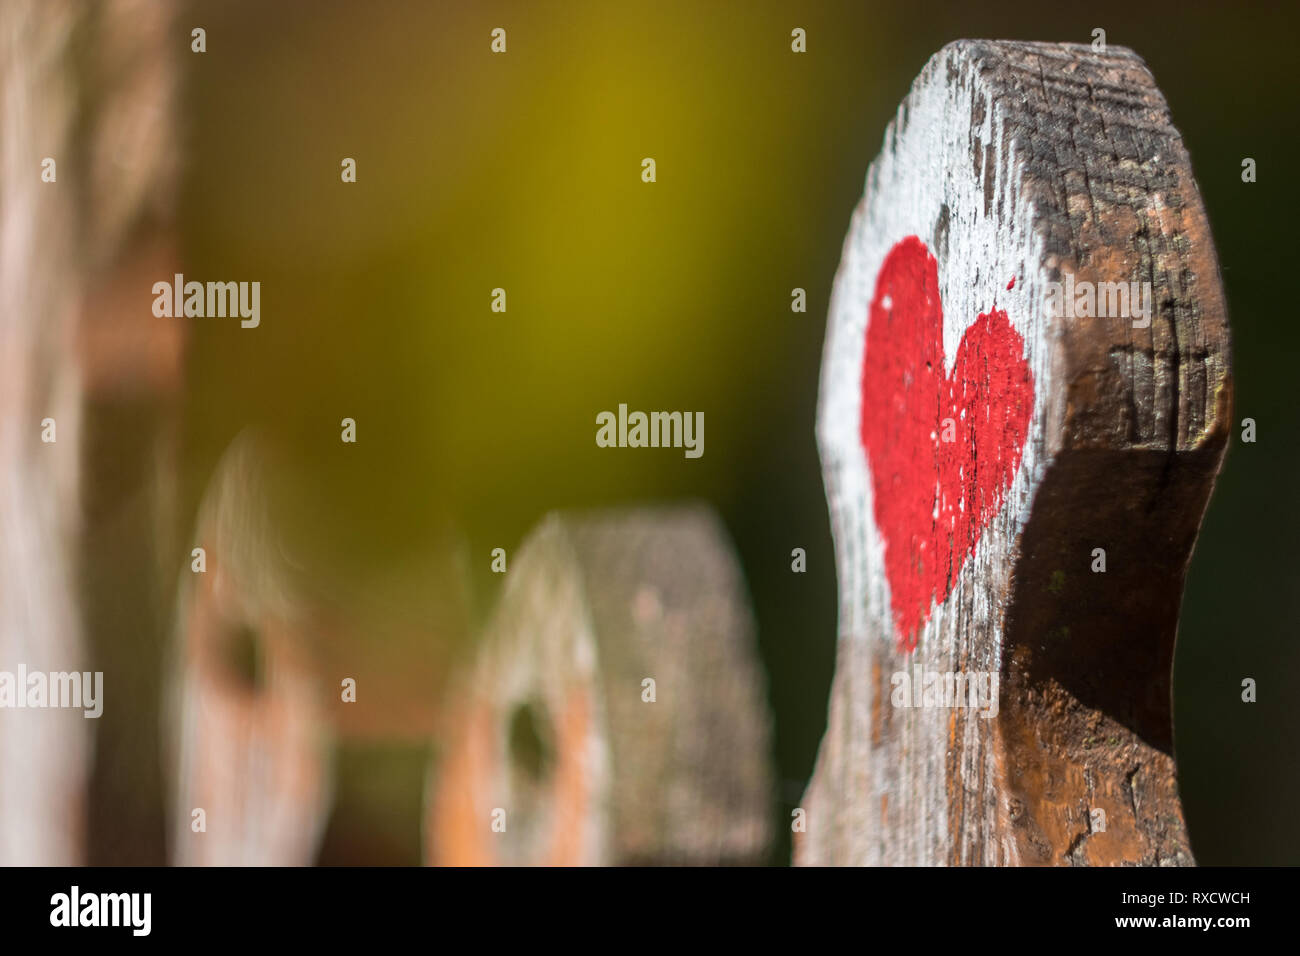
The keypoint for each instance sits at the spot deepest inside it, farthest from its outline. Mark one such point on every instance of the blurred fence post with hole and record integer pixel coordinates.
(286, 646)
(616, 711)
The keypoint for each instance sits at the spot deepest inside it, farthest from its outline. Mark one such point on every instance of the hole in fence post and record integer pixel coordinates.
(531, 750)
(243, 658)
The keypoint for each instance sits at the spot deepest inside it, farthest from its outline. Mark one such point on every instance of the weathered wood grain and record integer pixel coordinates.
(555, 730)
(1016, 165)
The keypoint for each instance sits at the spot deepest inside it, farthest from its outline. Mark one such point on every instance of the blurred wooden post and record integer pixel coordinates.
(266, 635)
(1016, 479)
(103, 118)
(562, 752)
(245, 722)
(43, 753)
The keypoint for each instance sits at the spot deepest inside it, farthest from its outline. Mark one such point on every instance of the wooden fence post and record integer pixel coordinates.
(1025, 401)
(86, 155)
(267, 634)
(249, 745)
(43, 753)
(615, 712)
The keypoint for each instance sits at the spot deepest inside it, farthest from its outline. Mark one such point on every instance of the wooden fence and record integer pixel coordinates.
(1026, 397)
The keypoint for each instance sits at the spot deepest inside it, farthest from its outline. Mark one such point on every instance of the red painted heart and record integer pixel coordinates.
(943, 448)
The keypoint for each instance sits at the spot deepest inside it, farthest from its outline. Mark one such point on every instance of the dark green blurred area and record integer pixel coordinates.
(522, 171)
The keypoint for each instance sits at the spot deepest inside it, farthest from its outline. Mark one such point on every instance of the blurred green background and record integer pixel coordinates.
(522, 171)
